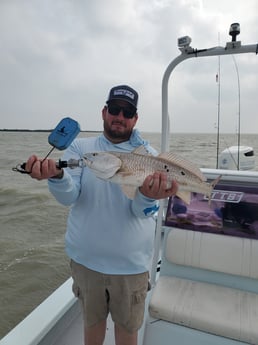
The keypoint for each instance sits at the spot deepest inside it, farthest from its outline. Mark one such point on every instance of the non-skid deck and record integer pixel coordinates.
(74, 333)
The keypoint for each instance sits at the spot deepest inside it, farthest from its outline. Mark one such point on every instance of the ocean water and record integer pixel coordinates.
(32, 258)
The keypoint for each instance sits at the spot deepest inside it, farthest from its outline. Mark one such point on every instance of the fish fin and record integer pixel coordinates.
(213, 184)
(184, 195)
(182, 163)
(129, 191)
(107, 174)
(216, 181)
(141, 150)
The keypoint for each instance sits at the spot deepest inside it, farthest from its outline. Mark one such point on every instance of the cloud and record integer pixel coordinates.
(61, 58)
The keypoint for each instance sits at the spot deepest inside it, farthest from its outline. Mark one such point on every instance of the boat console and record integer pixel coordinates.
(207, 291)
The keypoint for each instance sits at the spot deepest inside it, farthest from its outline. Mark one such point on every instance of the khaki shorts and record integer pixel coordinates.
(121, 295)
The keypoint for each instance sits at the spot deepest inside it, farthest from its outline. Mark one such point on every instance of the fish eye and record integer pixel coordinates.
(183, 173)
(94, 154)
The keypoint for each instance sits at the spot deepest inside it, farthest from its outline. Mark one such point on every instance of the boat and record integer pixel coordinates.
(206, 288)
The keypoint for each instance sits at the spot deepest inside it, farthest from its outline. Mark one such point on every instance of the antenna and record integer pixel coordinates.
(239, 117)
(218, 118)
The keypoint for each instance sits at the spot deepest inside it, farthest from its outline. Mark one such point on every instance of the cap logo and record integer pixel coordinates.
(123, 92)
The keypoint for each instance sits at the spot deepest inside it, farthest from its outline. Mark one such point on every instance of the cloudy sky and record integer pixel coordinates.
(60, 58)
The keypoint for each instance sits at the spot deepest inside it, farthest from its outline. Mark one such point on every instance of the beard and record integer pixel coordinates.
(122, 133)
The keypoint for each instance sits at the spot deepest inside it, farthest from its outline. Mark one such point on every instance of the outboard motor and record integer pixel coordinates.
(228, 159)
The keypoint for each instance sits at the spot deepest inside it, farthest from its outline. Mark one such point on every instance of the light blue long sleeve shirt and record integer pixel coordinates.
(106, 231)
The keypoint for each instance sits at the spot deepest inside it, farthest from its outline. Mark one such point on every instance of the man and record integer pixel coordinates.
(109, 237)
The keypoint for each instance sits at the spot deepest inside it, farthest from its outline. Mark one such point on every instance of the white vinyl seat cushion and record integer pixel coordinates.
(211, 308)
(238, 256)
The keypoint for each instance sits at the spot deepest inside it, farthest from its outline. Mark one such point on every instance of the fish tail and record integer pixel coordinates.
(213, 184)
(216, 181)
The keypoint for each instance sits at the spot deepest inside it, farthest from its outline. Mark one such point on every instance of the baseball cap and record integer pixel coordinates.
(125, 93)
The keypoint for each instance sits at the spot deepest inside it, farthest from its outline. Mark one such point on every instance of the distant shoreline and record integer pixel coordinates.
(37, 130)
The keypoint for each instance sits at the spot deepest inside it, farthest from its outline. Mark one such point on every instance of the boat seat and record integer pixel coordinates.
(196, 302)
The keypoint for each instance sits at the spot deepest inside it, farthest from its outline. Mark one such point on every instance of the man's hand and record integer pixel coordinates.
(40, 169)
(155, 186)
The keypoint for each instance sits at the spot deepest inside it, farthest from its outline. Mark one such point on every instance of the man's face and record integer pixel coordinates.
(119, 120)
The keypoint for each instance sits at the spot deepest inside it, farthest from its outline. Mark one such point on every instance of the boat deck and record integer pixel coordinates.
(56, 321)
(74, 333)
